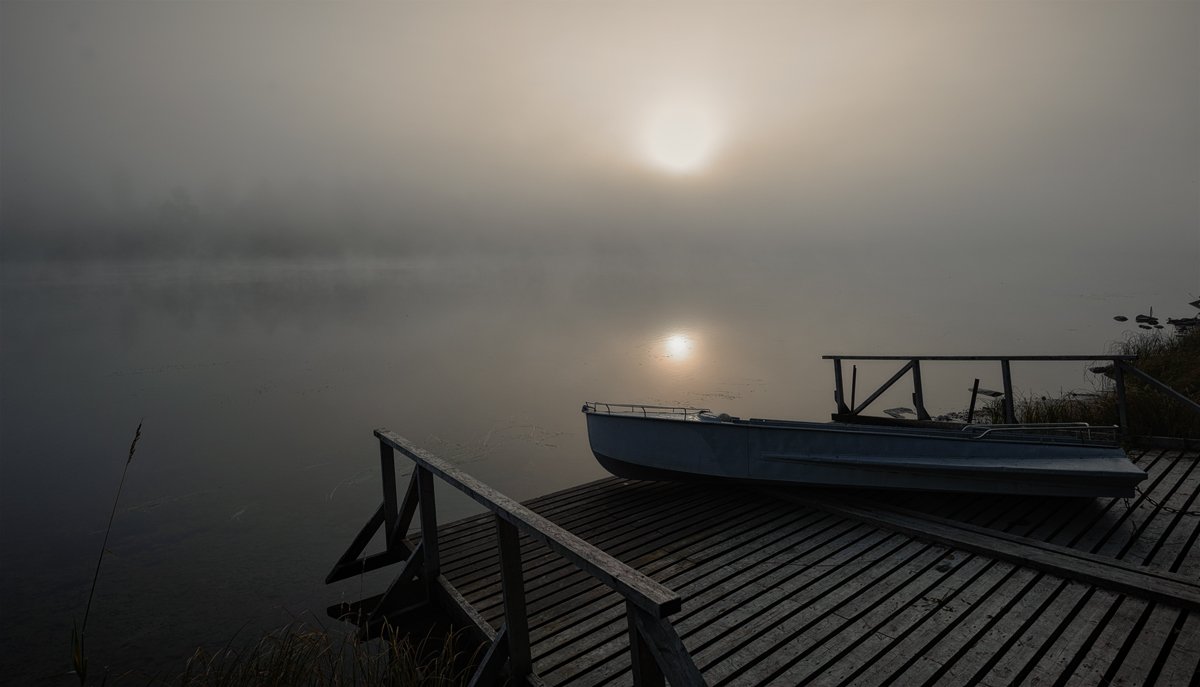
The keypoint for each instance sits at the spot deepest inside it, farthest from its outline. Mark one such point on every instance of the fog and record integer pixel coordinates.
(265, 228)
(136, 128)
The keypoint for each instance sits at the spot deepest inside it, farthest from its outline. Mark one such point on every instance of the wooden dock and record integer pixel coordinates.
(791, 586)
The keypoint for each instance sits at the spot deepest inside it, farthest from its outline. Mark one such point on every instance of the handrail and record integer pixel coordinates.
(1162, 388)
(981, 357)
(1039, 425)
(630, 583)
(1081, 428)
(656, 650)
(645, 409)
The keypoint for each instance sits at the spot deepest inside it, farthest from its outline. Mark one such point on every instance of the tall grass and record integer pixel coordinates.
(296, 655)
(1172, 359)
(299, 655)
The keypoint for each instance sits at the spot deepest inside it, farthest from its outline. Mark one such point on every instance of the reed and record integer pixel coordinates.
(313, 657)
(79, 633)
(1173, 359)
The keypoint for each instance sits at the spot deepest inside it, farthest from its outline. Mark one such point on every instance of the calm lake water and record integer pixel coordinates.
(260, 381)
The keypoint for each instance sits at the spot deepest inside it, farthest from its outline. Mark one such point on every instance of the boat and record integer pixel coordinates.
(637, 441)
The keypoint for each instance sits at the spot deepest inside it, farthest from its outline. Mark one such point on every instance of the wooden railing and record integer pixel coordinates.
(1121, 365)
(655, 648)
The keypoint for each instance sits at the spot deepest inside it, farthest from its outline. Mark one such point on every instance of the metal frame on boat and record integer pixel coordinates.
(1118, 367)
(644, 441)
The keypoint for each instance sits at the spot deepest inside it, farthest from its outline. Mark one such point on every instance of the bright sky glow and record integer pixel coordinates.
(680, 140)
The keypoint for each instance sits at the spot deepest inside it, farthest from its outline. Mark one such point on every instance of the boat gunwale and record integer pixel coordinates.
(590, 408)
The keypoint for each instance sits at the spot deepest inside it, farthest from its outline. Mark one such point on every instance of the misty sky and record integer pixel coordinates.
(554, 192)
(957, 121)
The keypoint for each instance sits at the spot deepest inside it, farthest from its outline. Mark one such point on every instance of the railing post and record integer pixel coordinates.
(1010, 413)
(429, 530)
(853, 383)
(974, 395)
(839, 394)
(513, 585)
(391, 513)
(646, 672)
(918, 392)
(1122, 408)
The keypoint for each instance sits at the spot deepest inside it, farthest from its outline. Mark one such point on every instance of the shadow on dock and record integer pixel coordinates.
(794, 586)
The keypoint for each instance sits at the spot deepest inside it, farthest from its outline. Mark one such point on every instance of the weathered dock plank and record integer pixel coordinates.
(1103, 652)
(875, 625)
(848, 588)
(942, 657)
(897, 657)
(1179, 660)
(1110, 572)
(1142, 646)
(995, 638)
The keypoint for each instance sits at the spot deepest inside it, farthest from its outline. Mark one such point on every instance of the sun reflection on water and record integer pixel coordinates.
(678, 346)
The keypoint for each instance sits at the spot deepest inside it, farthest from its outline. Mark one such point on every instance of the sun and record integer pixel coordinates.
(680, 139)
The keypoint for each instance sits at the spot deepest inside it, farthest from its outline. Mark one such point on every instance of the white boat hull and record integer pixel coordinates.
(650, 446)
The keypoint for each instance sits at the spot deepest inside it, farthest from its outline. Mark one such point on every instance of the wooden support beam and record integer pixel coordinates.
(1122, 402)
(488, 671)
(646, 672)
(408, 573)
(974, 395)
(512, 583)
(462, 613)
(1010, 413)
(408, 508)
(349, 565)
(387, 465)
(886, 385)
(1162, 388)
(447, 597)
(918, 392)
(853, 384)
(429, 531)
(365, 565)
(839, 393)
(668, 650)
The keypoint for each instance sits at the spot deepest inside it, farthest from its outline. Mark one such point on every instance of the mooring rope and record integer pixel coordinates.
(1163, 506)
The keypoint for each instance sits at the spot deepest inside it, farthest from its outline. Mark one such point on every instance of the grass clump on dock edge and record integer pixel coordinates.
(1173, 359)
(301, 655)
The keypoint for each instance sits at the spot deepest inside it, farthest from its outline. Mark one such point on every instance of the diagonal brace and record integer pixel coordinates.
(886, 385)
(350, 563)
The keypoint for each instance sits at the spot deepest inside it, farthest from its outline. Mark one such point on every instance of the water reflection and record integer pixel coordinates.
(260, 383)
(678, 346)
